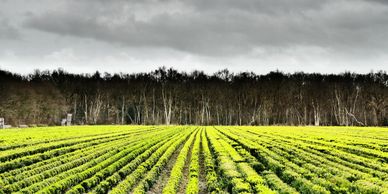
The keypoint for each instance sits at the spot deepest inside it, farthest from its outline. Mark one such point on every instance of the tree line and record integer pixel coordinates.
(167, 96)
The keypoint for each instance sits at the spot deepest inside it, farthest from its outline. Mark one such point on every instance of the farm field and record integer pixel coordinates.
(194, 159)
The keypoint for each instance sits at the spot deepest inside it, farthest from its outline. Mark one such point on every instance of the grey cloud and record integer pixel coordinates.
(383, 2)
(223, 27)
(8, 31)
(262, 6)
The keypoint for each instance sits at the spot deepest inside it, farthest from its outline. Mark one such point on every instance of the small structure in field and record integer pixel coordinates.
(63, 122)
(2, 123)
(67, 120)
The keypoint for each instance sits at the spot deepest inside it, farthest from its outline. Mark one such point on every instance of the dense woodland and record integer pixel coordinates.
(166, 96)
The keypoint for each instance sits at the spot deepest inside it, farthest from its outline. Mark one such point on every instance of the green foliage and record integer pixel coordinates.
(131, 159)
(152, 175)
(176, 172)
(192, 186)
(129, 181)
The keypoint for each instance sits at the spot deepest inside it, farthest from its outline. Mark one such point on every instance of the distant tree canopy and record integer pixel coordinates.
(166, 96)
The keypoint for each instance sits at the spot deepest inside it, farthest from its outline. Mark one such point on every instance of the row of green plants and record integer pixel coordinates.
(344, 167)
(300, 164)
(344, 178)
(194, 168)
(148, 181)
(244, 165)
(151, 143)
(73, 176)
(277, 184)
(40, 148)
(18, 174)
(32, 159)
(111, 181)
(35, 178)
(353, 162)
(354, 150)
(62, 137)
(233, 160)
(39, 167)
(74, 179)
(348, 138)
(283, 170)
(33, 136)
(140, 170)
(69, 177)
(177, 171)
(339, 156)
(242, 177)
(360, 136)
(45, 141)
(212, 180)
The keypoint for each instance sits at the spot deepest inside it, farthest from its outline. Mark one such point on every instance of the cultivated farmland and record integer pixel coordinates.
(194, 159)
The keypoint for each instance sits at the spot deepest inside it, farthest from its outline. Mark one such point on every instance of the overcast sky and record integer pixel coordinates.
(328, 36)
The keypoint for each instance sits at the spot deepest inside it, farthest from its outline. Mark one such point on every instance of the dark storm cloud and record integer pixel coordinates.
(254, 35)
(221, 27)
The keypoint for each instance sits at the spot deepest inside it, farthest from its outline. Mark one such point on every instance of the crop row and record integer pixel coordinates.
(297, 168)
(193, 159)
(192, 186)
(329, 151)
(240, 176)
(26, 160)
(91, 182)
(177, 170)
(162, 154)
(27, 171)
(67, 137)
(16, 153)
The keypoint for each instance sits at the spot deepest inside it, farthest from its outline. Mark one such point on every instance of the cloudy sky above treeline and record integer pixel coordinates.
(82, 36)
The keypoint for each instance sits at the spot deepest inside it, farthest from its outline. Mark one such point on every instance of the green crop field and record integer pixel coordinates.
(194, 159)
